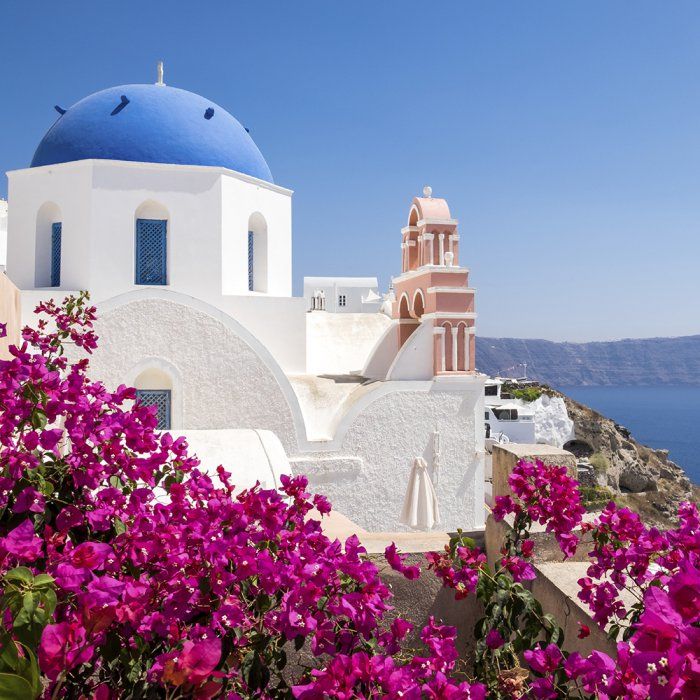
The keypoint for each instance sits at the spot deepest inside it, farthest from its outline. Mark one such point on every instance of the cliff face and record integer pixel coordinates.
(645, 479)
(650, 361)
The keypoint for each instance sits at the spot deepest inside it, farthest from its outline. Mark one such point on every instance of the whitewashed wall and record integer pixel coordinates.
(208, 211)
(366, 474)
(221, 378)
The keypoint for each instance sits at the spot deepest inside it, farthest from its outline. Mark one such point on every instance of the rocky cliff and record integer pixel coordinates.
(639, 477)
(650, 361)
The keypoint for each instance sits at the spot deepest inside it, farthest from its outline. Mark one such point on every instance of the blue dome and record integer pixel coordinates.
(151, 124)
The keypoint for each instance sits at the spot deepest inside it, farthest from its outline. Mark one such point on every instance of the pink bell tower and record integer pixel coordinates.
(433, 288)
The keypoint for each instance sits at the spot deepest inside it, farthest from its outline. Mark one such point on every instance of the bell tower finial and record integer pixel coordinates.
(160, 74)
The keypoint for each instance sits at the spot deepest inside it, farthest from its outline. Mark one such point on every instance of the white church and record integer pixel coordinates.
(158, 202)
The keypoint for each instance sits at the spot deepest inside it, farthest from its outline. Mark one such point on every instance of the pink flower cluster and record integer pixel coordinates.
(545, 494)
(160, 577)
(458, 567)
(629, 555)
(361, 675)
(660, 655)
(661, 659)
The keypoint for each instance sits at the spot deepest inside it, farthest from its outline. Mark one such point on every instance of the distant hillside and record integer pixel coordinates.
(620, 362)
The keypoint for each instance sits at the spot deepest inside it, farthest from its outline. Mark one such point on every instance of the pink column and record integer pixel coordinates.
(455, 356)
(466, 348)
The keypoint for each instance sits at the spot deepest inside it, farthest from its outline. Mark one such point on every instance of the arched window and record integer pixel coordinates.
(463, 347)
(404, 311)
(448, 348)
(418, 304)
(257, 253)
(48, 246)
(151, 247)
(56, 231)
(154, 388)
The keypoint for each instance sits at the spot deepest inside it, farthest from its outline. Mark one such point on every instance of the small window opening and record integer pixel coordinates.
(56, 230)
(151, 251)
(251, 261)
(160, 398)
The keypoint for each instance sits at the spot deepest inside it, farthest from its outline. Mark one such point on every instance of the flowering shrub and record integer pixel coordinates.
(126, 571)
(658, 652)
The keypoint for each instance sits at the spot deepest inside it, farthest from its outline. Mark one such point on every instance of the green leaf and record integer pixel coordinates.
(8, 654)
(29, 670)
(43, 581)
(14, 687)
(30, 601)
(12, 600)
(21, 574)
(39, 419)
(49, 601)
(28, 626)
(119, 526)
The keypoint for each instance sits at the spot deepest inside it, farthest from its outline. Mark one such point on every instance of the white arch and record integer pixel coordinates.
(151, 209)
(405, 298)
(170, 378)
(418, 292)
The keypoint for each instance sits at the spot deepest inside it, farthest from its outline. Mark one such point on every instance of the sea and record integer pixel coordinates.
(662, 417)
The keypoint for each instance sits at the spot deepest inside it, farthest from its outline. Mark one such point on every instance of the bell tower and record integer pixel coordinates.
(433, 288)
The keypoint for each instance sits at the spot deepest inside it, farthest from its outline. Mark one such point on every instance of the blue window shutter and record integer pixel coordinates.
(159, 398)
(251, 261)
(151, 251)
(56, 230)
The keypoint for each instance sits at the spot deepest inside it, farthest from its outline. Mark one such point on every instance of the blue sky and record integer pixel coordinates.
(565, 135)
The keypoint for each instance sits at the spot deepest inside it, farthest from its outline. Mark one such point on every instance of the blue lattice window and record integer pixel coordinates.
(151, 251)
(159, 398)
(56, 230)
(251, 261)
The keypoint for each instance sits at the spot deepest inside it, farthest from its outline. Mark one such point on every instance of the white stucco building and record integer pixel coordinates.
(158, 202)
(342, 294)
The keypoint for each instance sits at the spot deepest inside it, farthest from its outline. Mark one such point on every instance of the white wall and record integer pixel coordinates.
(341, 343)
(382, 355)
(208, 209)
(250, 455)
(241, 199)
(68, 187)
(366, 473)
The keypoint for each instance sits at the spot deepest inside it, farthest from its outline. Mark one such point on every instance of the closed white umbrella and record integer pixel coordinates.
(420, 507)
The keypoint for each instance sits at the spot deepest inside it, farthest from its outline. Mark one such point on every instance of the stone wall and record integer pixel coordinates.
(556, 585)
